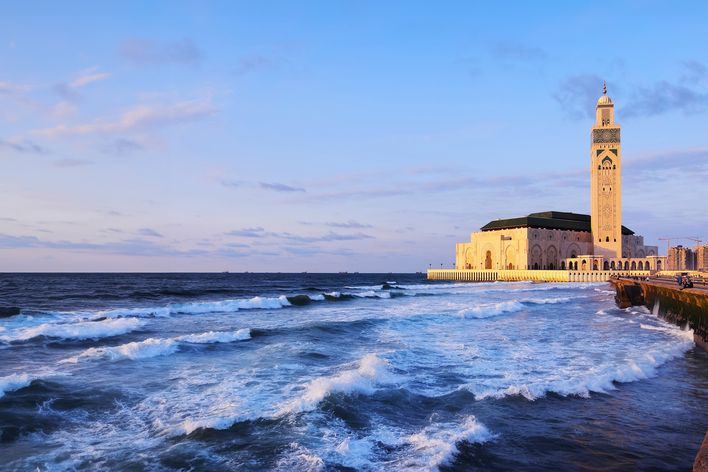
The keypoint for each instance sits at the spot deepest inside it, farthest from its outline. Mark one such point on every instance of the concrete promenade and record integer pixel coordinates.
(491, 275)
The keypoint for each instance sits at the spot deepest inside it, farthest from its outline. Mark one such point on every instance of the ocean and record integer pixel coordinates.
(292, 372)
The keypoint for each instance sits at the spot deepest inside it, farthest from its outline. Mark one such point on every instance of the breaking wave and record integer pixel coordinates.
(153, 347)
(491, 309)
(599, 380)
(81, 330)
(372, 371)
(13, 382)
(437, 444)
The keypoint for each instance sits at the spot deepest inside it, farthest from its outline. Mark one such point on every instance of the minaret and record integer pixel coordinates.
(605, 181)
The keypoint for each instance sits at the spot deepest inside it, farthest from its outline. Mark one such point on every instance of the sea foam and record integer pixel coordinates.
(13, 382)
(153, 347)
(80, 330)
(371, 372)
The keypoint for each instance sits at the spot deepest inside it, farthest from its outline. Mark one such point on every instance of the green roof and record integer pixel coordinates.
(548, 220)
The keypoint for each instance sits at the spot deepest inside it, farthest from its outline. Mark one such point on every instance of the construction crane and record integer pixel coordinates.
(668, 241)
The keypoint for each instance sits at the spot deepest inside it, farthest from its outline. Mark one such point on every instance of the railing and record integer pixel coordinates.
(490, 275)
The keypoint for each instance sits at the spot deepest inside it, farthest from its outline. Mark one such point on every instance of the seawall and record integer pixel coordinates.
(490, 275)
(667, 300)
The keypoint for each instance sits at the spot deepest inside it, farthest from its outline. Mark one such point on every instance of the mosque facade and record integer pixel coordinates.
(554, 240)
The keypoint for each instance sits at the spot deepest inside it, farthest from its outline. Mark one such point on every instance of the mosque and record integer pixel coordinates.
(555, 240)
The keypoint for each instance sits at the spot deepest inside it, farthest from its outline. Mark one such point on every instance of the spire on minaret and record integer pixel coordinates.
(604, 87)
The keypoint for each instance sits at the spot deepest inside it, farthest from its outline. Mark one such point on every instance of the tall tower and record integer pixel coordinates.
(605, 180)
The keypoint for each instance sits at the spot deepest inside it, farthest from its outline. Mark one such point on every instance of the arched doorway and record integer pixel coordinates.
(658, 265)
(594, 265)
(583, 265)
(626, 265)
(535, 266)
(488, 260)
(640, 266)
(510, 266)
(606, 266)
(634, 265)
(562, 265)
(612, 265)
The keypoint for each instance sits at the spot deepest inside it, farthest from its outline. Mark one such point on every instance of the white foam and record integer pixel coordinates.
(80, 330)
(600, 379)
(153, 347)
(371, 372)
(673, 330)
(371, 294)
(491, 309)
(547, 301)
(316, 298)
(438, 443)
(13, 382)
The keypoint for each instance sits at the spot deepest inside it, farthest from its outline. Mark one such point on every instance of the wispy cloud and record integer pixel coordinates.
(137, 118)
(663, 97)
(9, 88)
(277, 187)
(248, 232)
(347, 224)
(122, 147)
(72, 162)
(252, 63)
(146, 52)
(149, 232)
(24, 146)
(577, 95)
(69, 90)
(519, 52)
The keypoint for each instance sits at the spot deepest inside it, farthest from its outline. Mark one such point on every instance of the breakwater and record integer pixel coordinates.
(683, 307)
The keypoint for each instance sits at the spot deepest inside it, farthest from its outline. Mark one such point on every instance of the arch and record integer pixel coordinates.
(562, 265)
(607, 239)
(640, 266)
(626, 265)
(606, 159)
(575, 265)
(552, 257)
(634, 265)
(658, 264)
(606, 266)
(640, 253)
(488, 260)
(536, 257)
(612, 265)
(583, 265)
(469, 257)
(510, 257)
(594, 264)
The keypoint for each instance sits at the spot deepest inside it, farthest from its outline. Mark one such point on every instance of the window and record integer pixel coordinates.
(607, 239)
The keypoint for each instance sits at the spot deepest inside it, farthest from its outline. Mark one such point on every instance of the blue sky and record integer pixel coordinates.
(332, 136)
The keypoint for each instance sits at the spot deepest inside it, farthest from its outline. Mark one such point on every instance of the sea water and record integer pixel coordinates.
(340, 372)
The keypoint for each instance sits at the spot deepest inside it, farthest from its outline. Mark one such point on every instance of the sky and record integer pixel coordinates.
(335, 135)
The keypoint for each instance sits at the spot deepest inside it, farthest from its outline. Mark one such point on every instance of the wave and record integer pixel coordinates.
(437, 444)
(153, 347)
(491, 309)
(13, 382)
(599, 379)
(371, 372)
(81, 330)
(673, 330)
(547, 301)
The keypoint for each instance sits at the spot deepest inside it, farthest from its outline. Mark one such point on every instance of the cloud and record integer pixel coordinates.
(347, 224)
(518, 52)
(122, 147)
(9, 88)
(247, 232)
(72, 162)
(232, 183)
(149, 232)
(280, 187)
(252, 63)
(69, 90)
(577, 95)
(145, 52)
(136, 118)
(25, 146)
(664, 97)
(694, 72)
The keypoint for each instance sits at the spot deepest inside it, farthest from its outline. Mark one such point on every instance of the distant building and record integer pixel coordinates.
(681, 258)
(702, 258)
(570, 241)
